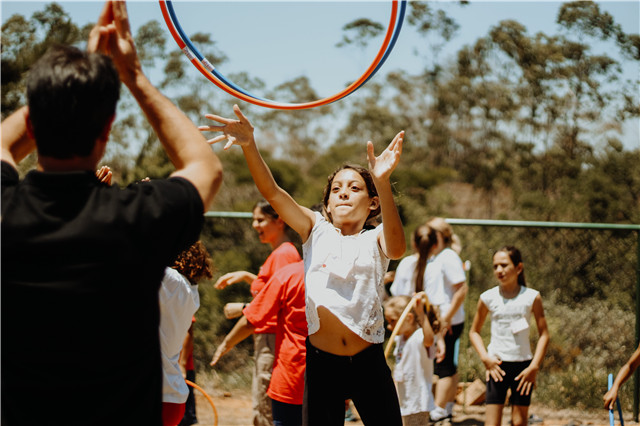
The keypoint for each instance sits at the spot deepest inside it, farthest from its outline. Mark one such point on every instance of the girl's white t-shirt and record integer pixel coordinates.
(413, 373)
(510, 323)
(404, 281)
(345, 274)
(452, 273)
(179, 300)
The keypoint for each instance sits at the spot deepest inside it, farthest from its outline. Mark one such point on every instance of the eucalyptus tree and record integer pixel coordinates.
(24, 41)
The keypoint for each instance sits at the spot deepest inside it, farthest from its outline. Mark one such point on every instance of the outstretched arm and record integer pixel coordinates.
(392, 240)
(233, 278)
(240, 132)
(238, 333)
(186, 147)
(623, 375)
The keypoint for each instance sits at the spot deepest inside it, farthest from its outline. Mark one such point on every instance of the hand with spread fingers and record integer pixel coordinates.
(383, 165)
(526, 380)
(236, 132)
(494, 371)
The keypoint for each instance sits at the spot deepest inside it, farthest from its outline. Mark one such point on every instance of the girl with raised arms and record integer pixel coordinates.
(345, 265)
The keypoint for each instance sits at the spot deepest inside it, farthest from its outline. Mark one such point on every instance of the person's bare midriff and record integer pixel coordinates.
(335, 337)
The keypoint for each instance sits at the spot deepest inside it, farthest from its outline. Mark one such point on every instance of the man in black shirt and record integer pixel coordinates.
(82, 261)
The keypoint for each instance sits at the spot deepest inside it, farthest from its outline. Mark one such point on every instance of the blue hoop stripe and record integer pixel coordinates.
(192, 52)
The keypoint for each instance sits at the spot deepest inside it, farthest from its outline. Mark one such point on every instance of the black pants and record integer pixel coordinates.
(365, 378)
(448, 366)
(190, 407)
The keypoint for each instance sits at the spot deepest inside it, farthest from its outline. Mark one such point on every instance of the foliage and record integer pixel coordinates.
(513, 126)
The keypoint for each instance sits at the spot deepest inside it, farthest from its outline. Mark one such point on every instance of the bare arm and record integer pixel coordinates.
(238, 333)
(421, 316)
(623, 375)
(16, 141)
(233, 278)
(528, 376)
(491, 363)
(392, 240)
(240, 132)
(186, 147)
(460, 292)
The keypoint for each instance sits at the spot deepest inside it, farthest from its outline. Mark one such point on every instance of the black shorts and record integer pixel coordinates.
(497, 391)
(449, 365)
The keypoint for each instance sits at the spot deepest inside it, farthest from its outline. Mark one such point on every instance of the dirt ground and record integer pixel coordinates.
(235, 409)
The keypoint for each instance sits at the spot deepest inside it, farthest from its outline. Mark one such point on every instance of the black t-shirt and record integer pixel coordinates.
(81, 268)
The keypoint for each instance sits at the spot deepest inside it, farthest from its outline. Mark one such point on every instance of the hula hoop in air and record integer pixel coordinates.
(215, 412)
(209, 71)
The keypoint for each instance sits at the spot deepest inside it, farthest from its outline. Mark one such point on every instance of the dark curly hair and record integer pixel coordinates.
(194, 263)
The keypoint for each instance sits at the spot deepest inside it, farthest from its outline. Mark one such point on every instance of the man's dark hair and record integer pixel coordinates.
(72, 95)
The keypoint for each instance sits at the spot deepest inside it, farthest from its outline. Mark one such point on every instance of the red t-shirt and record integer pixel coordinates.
(284, 298)
(283, 255)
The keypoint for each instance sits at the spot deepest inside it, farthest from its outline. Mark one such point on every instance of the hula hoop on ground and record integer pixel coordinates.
(396, 329)
(209, 71)
(215, 412)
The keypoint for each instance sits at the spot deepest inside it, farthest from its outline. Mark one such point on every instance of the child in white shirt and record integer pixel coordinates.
(345, 263)
(508, 358)
(414, 353)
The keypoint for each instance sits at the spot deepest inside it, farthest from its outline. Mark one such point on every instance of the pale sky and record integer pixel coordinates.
(278, 41)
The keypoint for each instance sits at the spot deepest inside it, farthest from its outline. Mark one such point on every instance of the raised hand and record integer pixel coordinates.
(102, 31)
(383, 165)
(112, 36)
(237, 132)
(104, 174)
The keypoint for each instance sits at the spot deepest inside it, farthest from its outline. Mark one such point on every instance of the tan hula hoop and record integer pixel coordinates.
(396, 329)
(215, 412)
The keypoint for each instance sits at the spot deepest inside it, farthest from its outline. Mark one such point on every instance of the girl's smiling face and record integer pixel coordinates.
(349, 198)
(504, 269)
(269, 229)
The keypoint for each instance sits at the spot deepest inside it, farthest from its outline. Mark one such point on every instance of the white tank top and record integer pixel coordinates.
(345, 274)
(510, 323)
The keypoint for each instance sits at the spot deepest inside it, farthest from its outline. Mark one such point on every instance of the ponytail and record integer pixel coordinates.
(424, 239)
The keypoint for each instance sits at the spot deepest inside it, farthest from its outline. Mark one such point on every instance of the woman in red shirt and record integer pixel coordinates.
(271, 230)
(284, 298)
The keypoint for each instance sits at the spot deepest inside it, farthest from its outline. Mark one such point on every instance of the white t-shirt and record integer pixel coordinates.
(404, 280)
(452, 272)
(179, 300)
(510, 323)
(345, 274)
(413, 374)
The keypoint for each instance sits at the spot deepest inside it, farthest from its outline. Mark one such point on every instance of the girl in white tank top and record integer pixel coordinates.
(508, 359)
